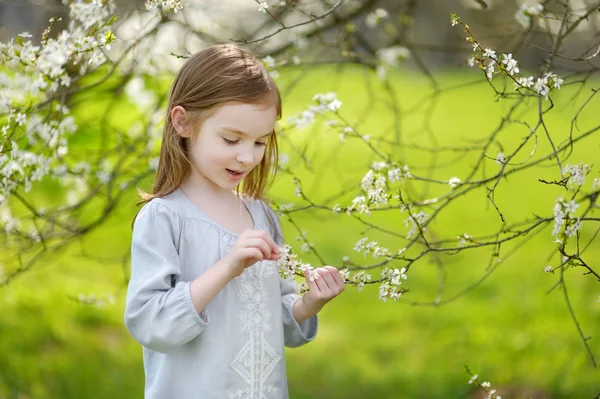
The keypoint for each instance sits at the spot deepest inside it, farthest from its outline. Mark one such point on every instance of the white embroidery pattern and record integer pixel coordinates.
(257, 359)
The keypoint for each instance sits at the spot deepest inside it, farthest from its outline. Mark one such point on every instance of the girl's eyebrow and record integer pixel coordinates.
(244, 133)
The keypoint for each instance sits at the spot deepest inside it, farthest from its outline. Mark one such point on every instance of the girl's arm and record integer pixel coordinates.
(252, 246)
(159, 313)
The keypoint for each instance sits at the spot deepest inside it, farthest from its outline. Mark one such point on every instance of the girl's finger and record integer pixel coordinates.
(252, 254)
(312, 285)
(267, 237)
(260, 244)
(328, 278)
(320, 282)
(337, 276)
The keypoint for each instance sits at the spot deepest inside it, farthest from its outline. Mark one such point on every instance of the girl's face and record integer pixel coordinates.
(230, 143)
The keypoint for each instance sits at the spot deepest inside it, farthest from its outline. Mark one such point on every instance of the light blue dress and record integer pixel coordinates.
(235, 347)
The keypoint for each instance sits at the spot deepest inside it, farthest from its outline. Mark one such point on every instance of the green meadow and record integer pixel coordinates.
(508, 328)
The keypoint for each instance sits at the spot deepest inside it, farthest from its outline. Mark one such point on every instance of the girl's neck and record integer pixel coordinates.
(201, 189)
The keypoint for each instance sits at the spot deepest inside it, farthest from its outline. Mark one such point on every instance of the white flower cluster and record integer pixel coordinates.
(500, 158)
(289, 266)
(374, 185)
(397, 174)
(271, 65)
(164, 7)
(263, 6)
(416, 221)
(327, 102)
(30, 79)
(486, 385)
(527, 12)
(7, 219)
(505, 63)
(576, 174)
(391, 55)
(92, 299)
(296, 182)
(371, 247)
(137, 93)
(390, 288)
(374, 18)
(492, 65)
(596, 183)
(284, 208)
(360, 279)
(464, 239)
(454, 182)
(345, 130)
(359, 204)
(564, 212)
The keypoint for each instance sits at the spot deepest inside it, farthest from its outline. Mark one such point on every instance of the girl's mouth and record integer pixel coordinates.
(234, 175)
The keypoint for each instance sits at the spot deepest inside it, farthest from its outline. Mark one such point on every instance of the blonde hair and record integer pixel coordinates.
(209, 79)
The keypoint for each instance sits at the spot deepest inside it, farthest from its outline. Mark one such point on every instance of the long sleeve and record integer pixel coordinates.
(295, 334)
(159, 312)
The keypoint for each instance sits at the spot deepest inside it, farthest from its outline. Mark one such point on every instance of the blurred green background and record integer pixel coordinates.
(507, 329)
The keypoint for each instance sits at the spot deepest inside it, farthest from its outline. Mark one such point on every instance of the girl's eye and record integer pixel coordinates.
(259, 144)
(230, 142)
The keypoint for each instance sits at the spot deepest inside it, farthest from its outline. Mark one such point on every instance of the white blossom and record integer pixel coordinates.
(415, 221)
(374, 18)
(397, 174)
(263, 6)
(164, 6)
(454, 182)
(511, 64)
(500, 158)
(525, 13)
(391, 55)
(464, 239)
(269, 62)
(489, 53)
(541, 86)
(524, 82)
(379, 166)
(360, 279)
(577, 174)
(489, 71)
(289, 264)
(153, 163)
(573, 228)
(325, 103)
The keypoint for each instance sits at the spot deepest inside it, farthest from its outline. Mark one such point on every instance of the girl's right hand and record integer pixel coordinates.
(252, 246)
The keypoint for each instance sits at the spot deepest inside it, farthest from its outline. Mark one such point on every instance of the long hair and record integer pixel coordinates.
(210, 78)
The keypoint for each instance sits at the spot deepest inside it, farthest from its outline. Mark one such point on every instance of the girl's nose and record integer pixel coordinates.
(245, 157)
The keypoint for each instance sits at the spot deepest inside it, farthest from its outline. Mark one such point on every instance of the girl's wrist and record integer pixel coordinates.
(227, 267)
(303, 311)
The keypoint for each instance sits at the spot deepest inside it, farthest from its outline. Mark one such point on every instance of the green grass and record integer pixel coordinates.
(507, 329)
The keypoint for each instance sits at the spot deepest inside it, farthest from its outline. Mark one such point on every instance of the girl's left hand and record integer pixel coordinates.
(322, 289)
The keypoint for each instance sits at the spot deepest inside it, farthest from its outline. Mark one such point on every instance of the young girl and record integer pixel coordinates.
(205, 298)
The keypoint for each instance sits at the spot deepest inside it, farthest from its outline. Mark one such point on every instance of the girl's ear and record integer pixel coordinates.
(179, 119)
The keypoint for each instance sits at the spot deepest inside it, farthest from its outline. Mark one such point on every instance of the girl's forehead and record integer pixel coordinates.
(253, 119)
